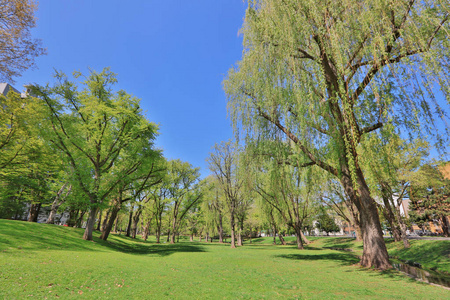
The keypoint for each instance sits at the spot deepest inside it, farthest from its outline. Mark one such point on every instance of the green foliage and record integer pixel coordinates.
(430, 195)
(325, 222)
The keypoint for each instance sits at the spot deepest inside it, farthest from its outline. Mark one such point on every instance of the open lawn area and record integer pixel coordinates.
(47, 261)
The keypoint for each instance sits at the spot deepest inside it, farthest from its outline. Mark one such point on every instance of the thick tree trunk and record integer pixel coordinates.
(90, 225)
(34, 212)
(191, 238)
(298, 235)
(374, 248)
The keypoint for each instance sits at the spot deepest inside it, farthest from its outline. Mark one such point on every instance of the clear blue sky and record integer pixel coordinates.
(172, 54)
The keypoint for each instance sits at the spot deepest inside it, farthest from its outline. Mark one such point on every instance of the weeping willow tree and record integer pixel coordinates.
(328, 73)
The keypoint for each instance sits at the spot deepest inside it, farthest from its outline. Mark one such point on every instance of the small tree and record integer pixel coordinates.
(326, 223)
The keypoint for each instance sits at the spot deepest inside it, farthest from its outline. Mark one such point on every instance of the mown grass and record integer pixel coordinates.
(47, 261)
(431, 254)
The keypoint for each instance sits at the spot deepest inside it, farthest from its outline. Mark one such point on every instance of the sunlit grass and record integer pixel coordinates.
(39, 261)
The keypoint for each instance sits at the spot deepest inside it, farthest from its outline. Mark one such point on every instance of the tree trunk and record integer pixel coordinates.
(80, 219)
(146, 230)
(389, 215)
(233, 242)
(298, 235)
(99, 224)
(240, 234)
(274, 235)
(90, 225)
(174, 229)
(390, 218)
(282, 241)
(113, 217)
(445, 225)
(374, 248)
(130, 219)
(304, 238)
(135, 223)
(220, 228)
(191, 239)
(34, 212)
(105, 220)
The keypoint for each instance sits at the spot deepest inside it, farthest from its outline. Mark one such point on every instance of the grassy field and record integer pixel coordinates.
(46, 261)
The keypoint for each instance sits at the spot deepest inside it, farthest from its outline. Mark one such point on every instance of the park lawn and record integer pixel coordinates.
(48, 261)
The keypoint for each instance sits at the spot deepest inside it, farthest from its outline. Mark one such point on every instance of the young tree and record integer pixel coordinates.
(325, 222)
(102, 133)
(319, 72)
(17, 49)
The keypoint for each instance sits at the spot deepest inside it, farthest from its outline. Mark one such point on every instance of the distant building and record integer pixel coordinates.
(6, 87)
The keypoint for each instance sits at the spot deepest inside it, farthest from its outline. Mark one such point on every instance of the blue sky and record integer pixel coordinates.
(172, 54)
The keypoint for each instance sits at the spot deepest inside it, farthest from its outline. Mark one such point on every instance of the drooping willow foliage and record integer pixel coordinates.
(326, 73)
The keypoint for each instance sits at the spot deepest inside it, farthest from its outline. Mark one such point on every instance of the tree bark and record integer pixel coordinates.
(130, 219)
(282, 241)
(90, 224)
(445, 225)
(34, 212)
(57, 203)
(111, 220)
(146, 230)
(135, 223)
(298, 235)
(220, 228)
(80, 219)
(233, 242)
(240, 233)
(374, 248)
(99, 223)
(304, 238)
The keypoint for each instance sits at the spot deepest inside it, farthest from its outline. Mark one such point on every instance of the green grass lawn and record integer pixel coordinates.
(48, 261)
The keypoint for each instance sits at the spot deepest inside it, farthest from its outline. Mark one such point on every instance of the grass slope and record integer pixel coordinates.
(47, 261)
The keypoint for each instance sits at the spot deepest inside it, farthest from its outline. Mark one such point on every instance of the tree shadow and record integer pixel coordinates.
(343, 259)
(146, 248)
(18, 236)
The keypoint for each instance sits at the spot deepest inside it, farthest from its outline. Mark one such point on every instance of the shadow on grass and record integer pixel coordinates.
(130, 246)
(343, 259)
(18, 236)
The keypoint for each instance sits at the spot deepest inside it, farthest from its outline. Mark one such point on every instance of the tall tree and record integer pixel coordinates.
(224, 164)
(17, 49)
(184, 191)
(319, 72)
(101, 132)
